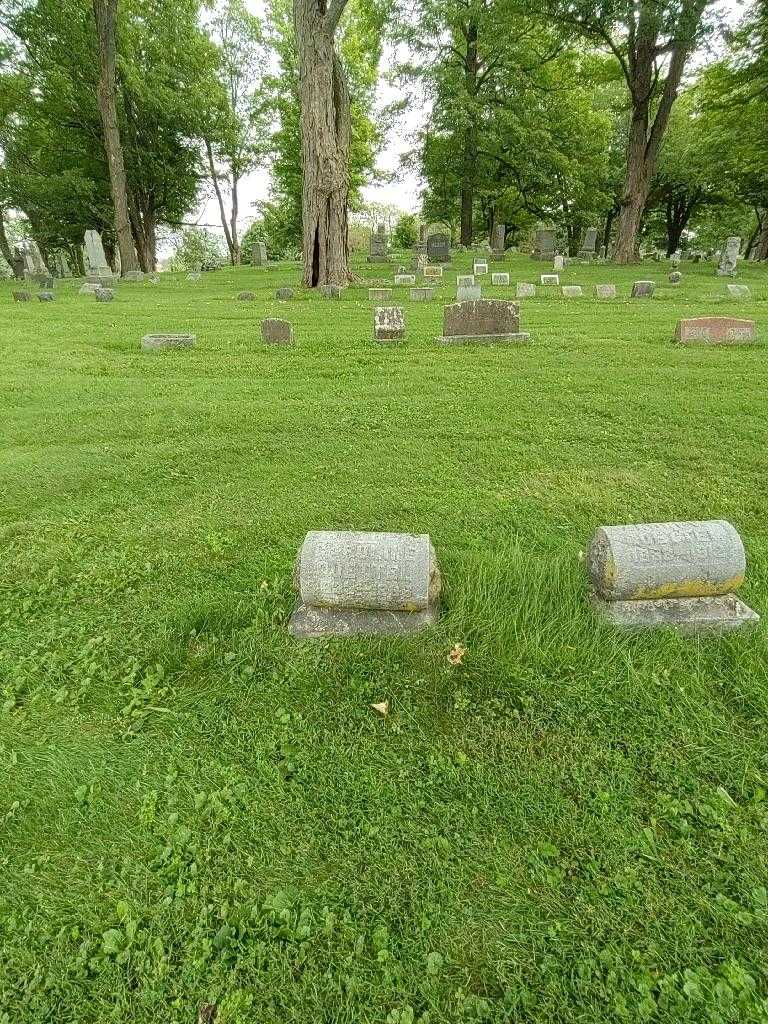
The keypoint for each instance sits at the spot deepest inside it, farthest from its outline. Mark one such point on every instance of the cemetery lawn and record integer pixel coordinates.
(569, 826)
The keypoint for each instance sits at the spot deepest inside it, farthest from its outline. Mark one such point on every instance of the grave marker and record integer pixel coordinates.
(259, 254)
(524, 290)
(715, 330)
(669, 574)
(45, 297)
(22, 296)
(480, 268)
(379, 293)
(422, 294)
(588, 244)
(468, 292)
(643, 289)
(283, 294)
(738, 291)
(485, 321)
(439, 248)
(276, 332)
(432, 272)
(605, 291)
(550, 280)
(378, 583)
(151, 342)
(675, 277)
(729, 257)
(104, 294)
(388, 323)
(544, 244)
(246, 296)
(405, 279)
(572, 291)
(95, 258)
(500, 279)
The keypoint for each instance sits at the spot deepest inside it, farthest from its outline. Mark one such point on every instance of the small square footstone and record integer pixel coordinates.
(524, 290)
(405, 279)
(737, 291)
(194, 276)
(89, 289)
(422, 294)
(469, 293)
(642, 289)
(331, 291)
(605, 291)
(465, 280)
(675, 277)
(104, 294)
(715, 330)
(247, 297)
(388, 323)
(283, 294)
(276, 332)
(153, 278)
(572, 291)
(133, 275)
(45, 297)
(158, 341)
(500, 279)
(480, 268)
(22, 296)
(482, 321)
(550, 280)
(679, 575)
(365, 583)
(432, 272)
(379, 293)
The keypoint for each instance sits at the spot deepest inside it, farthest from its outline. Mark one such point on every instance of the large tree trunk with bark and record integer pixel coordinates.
(760, 251)
(325, 139)
(220, 199)
(469, 156)
(678, 213)
(105, 14)
(5, 247)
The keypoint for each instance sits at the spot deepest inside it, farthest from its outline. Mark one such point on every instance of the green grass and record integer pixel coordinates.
(569, 827)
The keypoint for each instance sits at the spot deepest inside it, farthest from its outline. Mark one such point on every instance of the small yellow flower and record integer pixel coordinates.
(456, 654)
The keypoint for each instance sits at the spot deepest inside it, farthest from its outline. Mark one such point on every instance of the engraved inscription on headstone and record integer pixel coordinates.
(642, 289)
(439, 248)
(259, 254)
(605, 291)
(525, 290)
(276, 332)
(487, 321)
(716, 330)
(388, 323)
(729, 257)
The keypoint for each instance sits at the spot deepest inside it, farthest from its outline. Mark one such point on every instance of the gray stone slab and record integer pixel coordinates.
(194, 276)
(246, 296)
(388, 323)
(643, 289)
(675, 277)
(432, 272)
(550, 280)
(150, 342)
(133, 275)
(331, 291)
(737, 291)
(379, 294)
(469, 293)
(22, 296)
(480, 268)
(715, 330)
(276, 332)
(572, 291)
(259, 254)
(686, 615)
(422, 294)
(350, 582)
(525, 290)
(653, 561)
(605, 291)
(729, 257)
(465, 280)
(405, 279)
(153, 278)
(104, 294)
(378, 247)
(284, 294)
(439, 248)
(45, 297)
(501, 280)
(558, 263)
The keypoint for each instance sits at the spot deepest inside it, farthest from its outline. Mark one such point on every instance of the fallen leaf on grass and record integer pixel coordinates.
(382, 708)
(456, 654)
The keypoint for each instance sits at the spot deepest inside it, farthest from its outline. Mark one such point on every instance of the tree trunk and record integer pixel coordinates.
(5, 247)
(237, 257)
(469, 158)
(678, 213)
(220, 200)
(760, 251)
(105, 14)
(325, 139)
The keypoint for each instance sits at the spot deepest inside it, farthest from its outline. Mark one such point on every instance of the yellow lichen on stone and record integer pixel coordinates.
(688, 588)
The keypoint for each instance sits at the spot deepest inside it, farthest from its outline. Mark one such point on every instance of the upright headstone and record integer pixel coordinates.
(422, 294)
(133, 275)
(558, 263)
(379, 293)
(572, 291)
(675, 277)
(434, 273)
(500, 279)
(525, 290)
(498, 241)
(34, 265)
(487, 321)
(715, 330)
(45, 296)
(378, 247)
(276, 332)
(378, 583)
(439, 248)
(330, 291)
(550, 280)
(669, 574)
(605, 291)
(544, 244)
(259, 254)
(61, 265)
(642, 289)
(468, 292)
(729, 257)
(95, 258)
(284, 294)
(588, 244)
(405, 279)
(388, 323)
(246, 296)
(480, 268)
(104, 294)
(22, 296)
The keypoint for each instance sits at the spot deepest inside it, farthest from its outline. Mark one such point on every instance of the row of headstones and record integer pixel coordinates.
(681, 575)
(484, 321)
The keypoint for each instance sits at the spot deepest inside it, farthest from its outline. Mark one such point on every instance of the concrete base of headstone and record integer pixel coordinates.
(687, 614)
(45, 297)
(309, 621)
(486, 339)
(151, 342)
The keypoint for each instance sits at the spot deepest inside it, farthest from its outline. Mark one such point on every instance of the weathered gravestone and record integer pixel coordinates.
(524, 290)
(605, 291)
(588, 244)
(465, 280)
(22, 296)
(558, 263)
(675, 277)
(133, 275)
(388, 323)
(276, 332)
(480, 268)
(550, 280)
(18, 263)
(45, 296)
(34, 265)
(246, 296)
(432, 272)
(468, 292)
(283, 294)
(572, 291)
(642, 289)
(377, 583)
(194, 276)
(150, 342)
(104, 294)
(378, 247)
(259, 254)
(498, 241)
(544, 244)
(669, 574)
(405, 279)
(715, 330)
(500, 279)
(153, 278)
(89, 289)
(729, 257)
(486, 321)
(330, 291)
(422, 294)
(379, 293)
(61, 265)
(439, 248)
(95, 258)
(737, 291)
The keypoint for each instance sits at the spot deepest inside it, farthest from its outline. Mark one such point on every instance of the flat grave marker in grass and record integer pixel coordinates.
(605, 291)
(275, 331)
(643, 289)
(715, 330)
(151, 342)
(669, 574)
(377, 583)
